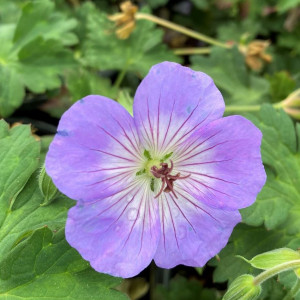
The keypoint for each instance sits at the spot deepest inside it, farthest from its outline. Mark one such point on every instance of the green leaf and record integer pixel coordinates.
(243, 288)
(201, 4)
(281, 85)
(10, 11)
(32, 54)
(273, 258)
(19, 157)
(34, 264)
(241, 32)
(81, 83)
(11, 91)
(284, 5)
(20, 198)
(277, 206)
(47, 187)
(45, 267)
(290, 40)
(278, 202)
(156, 3)
(126, 101)
(183, 289)
(229, 72)
(144, 48)
(41, 62)
(245, 241)
(39, 18)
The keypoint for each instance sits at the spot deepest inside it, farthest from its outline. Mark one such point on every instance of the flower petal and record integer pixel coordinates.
(95, 151)
(171, 102)
(192, 232)
(118, 234)
(225, 163)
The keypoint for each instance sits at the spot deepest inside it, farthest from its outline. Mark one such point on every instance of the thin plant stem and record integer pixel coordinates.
(262, 277)
(152, 280)
(120, 78)
(248, 108)
(191, 51)
(166, 277)
(233, 108)
(181, 29)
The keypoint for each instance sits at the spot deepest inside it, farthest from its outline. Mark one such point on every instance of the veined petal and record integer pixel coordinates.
(96, 150)
(118, 235)
(224, 163)
(171, 102)
(192, 232)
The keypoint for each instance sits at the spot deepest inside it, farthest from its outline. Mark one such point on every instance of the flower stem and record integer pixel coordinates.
(120, 78)
(191, 51)
(262, 277)
(181, 29)
(232, 108)
(152, 280)
(247, 108)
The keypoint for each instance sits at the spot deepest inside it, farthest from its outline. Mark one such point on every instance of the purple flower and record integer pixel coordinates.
(165, 184)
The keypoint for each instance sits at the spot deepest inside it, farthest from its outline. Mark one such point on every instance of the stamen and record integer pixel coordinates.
(164, 173)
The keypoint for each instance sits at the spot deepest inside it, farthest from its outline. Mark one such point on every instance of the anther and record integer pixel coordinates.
(164, 173)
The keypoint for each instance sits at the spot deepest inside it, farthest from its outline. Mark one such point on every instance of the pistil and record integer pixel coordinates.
(164, 173)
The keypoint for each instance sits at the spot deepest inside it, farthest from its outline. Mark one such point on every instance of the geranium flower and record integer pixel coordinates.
(165, 184)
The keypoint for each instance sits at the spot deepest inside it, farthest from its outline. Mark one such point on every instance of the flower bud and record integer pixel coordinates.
(291, 105)
(47, 187)
(243, 288)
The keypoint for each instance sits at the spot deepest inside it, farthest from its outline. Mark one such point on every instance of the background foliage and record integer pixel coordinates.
(53, 52)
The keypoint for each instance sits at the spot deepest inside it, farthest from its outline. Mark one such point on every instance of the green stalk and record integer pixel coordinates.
(245, 108)
(262, 277)
(248, 108)
(181, 29)
(191, 51)
(120, 78)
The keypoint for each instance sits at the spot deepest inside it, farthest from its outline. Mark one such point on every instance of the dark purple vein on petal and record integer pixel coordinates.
(173, 225)
(184, 152)
(110, 135)
(149, 121)
(143, 228)
(170, 120)
(189, 131)
(211, 188)
(109, 178)
(163, 222)
(117, 156)
(212, 177)
(116, 182)
(206, 162)
(148, 139)
(136, 218)
(135, 147)
(197, 206)
(118, 201)
(204, 150)
(157, 129)
(175, 202)
(182, 125)
(136, 139)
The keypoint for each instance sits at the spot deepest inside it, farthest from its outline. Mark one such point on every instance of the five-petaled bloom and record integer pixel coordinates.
(165, 184)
